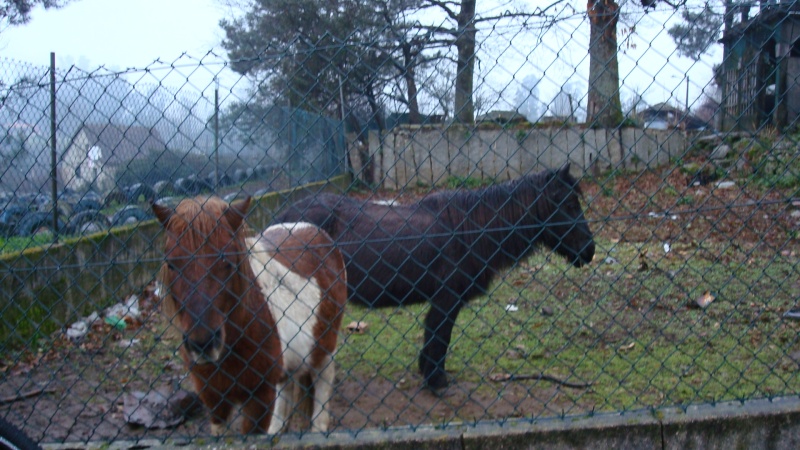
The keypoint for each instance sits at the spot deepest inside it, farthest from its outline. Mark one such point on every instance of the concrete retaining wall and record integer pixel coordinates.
(756, 424)
(425, 155)
(43, 289)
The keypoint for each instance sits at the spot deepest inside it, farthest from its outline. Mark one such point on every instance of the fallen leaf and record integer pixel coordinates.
(500, 376)
(705, 300)
(357, 327)
(628, 346)
(513, 354)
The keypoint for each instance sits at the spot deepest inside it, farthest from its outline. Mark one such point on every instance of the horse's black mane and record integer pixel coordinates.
(471, 209)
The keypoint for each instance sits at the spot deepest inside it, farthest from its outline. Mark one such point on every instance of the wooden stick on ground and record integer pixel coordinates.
(509, 377)
(24, 395)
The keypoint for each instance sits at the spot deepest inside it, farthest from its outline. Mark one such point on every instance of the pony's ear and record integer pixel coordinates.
(564, 170)
(163, 213)
(237, 212)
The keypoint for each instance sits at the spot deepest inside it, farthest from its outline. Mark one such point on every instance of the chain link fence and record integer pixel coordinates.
(683, 290)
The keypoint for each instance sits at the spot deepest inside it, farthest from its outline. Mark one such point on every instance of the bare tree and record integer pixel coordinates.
(565, 102)
(633, 104)
(527, 98)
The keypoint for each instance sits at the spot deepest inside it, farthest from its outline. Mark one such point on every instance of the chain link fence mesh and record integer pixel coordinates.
(691, 198)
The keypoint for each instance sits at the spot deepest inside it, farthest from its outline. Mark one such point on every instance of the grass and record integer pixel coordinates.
(17, 243)
(628, 327)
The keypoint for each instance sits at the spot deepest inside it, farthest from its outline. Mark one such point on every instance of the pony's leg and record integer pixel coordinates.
(219, 415)
(219, 407)
(283, 401)
(210, 389)
(438, 330)
(258, 412)
(304, 400)
(323, 392)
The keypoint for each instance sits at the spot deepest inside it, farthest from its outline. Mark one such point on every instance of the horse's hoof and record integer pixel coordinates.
(437, 382)
(218, 429)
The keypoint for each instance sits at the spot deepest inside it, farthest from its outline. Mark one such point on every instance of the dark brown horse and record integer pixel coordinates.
(255, 313)
(446, 248)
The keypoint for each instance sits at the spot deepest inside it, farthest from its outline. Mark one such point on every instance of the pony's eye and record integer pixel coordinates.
(171, 266)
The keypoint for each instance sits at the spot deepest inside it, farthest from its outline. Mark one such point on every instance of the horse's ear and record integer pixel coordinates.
(237, 212)
(163, 213)
(564, 170)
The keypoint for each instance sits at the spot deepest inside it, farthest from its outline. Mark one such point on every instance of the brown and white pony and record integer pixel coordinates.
(256, 313)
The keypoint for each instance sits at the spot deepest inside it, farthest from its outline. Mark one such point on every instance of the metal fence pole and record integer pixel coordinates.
(53, 172)
(216, 135)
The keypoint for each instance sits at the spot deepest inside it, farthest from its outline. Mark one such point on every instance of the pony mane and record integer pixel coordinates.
(198, 219)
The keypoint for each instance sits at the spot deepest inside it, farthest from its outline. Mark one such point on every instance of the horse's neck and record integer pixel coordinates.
(499, 216)
(491, 209)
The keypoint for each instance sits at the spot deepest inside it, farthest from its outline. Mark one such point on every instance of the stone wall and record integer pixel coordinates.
(425, 155)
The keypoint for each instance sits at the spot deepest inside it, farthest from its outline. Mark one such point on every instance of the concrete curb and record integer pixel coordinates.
(755, 424)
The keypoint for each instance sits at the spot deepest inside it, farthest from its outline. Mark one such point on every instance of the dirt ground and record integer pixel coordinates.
(75, 391)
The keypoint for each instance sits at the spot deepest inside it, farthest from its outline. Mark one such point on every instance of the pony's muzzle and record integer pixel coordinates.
(205, 347)
(585, 256)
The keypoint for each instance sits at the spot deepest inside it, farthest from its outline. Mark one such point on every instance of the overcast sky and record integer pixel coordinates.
(121, 34)
(115, 33)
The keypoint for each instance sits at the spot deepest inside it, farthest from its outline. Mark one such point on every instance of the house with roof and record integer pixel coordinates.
(663, 116)
(98, 152)
(760, 72)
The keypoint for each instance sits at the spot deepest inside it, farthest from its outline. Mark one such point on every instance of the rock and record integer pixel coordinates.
(726, 184)
(77, 330)
(160, 408)
(720, 152)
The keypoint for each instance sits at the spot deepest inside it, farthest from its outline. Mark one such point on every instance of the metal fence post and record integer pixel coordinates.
(53, 172)
(216, 135)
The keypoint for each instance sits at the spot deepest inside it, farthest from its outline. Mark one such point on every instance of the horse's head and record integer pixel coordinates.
(565, 228)
(203, 255)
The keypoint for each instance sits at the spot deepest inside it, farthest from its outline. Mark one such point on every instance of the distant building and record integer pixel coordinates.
(397, 119)
(663, 116)
(97, 152)
(760, 73)
(502, 117)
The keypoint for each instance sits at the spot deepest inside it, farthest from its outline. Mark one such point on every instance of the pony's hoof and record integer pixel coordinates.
(437, 382)
(218, 429)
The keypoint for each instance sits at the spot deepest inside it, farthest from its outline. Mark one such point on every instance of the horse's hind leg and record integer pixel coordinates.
(438, 331)
(323, 392)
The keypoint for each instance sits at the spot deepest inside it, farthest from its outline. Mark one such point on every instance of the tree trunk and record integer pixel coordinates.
(464, 109)
(367, 162)
(604, 108)
(414, 115)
